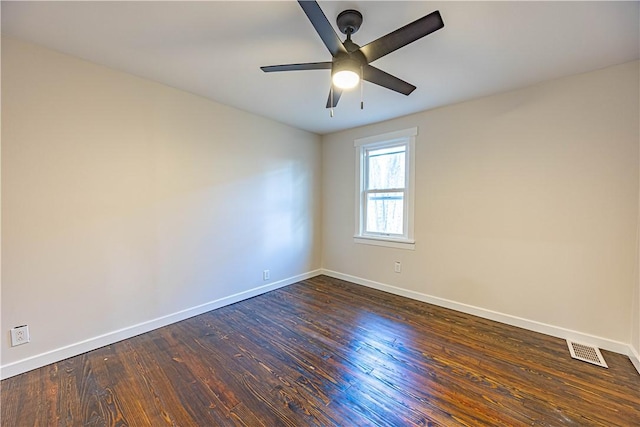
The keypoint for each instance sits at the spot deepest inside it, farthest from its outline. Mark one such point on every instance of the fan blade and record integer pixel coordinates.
(402, 36)
(379, 77)
(297, 67)
(323, 27)
(336, 97)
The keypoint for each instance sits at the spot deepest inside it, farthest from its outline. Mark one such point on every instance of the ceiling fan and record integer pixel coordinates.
(351, 63)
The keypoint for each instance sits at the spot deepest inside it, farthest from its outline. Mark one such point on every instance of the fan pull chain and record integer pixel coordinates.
(361, 87)
(331, 96)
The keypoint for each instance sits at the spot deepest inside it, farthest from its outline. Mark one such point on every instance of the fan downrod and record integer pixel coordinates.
(349, 21)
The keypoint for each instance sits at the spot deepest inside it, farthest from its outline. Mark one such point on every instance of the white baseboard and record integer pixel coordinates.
(43, 359)
(532, 325)
(634, 355)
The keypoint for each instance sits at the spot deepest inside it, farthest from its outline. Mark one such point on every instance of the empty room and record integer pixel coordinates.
(331, 213)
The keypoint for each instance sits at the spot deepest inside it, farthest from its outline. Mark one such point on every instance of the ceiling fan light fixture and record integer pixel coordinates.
(350, 63)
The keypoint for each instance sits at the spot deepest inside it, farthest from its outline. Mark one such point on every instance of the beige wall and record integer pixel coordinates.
(527, 204)
(124, 200)
(635, 324)
(635, 301)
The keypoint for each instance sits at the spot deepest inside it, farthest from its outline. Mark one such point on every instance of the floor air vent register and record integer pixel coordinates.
(586, 353)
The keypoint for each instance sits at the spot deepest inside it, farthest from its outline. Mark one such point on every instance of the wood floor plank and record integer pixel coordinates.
(325, 352)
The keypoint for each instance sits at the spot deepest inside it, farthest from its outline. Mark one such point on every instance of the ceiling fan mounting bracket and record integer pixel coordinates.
(349, 21)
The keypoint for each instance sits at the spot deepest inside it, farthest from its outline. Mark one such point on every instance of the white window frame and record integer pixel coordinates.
(406, 137)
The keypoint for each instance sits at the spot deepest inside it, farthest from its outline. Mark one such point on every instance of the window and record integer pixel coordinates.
(384, 179)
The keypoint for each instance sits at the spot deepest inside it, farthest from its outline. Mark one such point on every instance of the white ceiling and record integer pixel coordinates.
(214, 49)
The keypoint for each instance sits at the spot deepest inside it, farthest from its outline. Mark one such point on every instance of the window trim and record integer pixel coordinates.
(405, 137)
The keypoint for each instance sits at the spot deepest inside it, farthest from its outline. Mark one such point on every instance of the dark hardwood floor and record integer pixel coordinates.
(324, 352)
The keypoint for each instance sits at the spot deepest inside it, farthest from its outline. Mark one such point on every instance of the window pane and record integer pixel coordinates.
(386, 168)
(385, 213)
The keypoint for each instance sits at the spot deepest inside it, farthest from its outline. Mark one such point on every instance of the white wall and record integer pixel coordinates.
(124, 201)
(526, 208)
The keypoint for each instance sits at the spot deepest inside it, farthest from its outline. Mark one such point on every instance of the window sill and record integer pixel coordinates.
(390, 243)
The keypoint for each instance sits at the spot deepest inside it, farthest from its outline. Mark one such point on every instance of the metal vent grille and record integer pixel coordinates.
(586, 353)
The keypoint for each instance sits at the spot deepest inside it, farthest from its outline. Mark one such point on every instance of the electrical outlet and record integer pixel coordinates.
(19, 335)
(266, 275)
(397, 267)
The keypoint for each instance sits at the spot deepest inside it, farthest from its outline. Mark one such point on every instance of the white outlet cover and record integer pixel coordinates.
(19, 335)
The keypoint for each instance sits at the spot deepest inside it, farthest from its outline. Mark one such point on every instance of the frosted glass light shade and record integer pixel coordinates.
(346, 79)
